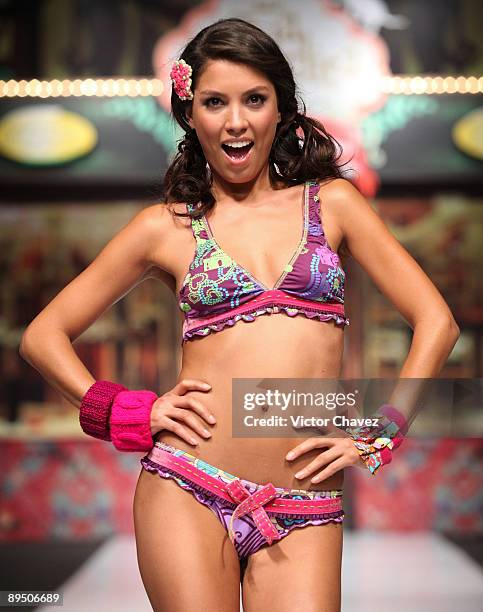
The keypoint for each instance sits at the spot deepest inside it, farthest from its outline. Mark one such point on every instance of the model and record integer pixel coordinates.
(251, 236)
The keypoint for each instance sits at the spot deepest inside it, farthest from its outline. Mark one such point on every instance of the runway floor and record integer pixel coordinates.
(420, 572)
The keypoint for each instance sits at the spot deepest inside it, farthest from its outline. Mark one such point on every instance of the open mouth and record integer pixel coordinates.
(238, 153)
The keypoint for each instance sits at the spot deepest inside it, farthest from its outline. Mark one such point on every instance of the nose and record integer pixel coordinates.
(235, 119)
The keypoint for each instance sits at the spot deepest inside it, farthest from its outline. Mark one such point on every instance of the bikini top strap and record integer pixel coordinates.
(198, 226)
(315, 221)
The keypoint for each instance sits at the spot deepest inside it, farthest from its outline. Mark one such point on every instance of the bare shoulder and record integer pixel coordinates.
(157, 227)
(340, 194)
(161, 217)
(339, 200)
(153, 220)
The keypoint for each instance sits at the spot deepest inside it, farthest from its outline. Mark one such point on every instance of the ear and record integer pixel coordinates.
(279, 117)
(189, 117)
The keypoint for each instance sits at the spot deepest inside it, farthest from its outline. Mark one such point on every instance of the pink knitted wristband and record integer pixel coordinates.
(393, 414)
(130, 420)
(386, 456)
(95, 407)
(397, 440)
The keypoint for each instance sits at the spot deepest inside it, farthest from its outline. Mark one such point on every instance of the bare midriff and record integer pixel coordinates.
(271, 346)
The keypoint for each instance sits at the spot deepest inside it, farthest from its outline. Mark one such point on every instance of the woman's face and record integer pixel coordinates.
(234, 102)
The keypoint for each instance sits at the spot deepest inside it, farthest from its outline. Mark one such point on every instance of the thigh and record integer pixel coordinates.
(185, 558)
(301, 572)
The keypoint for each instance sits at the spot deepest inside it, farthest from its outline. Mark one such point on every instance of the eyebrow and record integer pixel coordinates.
(212, 92)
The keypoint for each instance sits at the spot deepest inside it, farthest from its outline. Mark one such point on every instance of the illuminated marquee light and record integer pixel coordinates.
(81, 87)
(429, 85)
(408, 85)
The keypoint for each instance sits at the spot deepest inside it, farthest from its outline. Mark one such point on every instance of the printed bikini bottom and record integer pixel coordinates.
(254, 515)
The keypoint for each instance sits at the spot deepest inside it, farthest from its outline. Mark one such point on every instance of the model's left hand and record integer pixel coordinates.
(340, 453)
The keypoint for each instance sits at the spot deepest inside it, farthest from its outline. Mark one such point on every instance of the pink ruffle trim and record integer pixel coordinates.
(291, 311)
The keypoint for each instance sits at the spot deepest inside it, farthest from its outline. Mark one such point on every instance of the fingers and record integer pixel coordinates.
(189, 419)
(180, 430)
(341, 453)
(308, 445)
(323, 459)
(174, 410)
(191, 403)
(190, 384)
(330, 470)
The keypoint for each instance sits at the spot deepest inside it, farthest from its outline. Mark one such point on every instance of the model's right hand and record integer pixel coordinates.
(174, 406)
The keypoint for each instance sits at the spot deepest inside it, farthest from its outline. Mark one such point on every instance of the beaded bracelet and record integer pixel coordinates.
(95, 408)
(375, 444)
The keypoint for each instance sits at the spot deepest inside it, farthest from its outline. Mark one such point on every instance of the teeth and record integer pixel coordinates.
(238, 145)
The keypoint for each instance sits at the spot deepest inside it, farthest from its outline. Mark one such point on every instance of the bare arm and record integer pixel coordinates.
(400, 278)
(121, 265)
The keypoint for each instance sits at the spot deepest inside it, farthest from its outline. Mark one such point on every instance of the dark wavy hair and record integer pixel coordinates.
(292, 161)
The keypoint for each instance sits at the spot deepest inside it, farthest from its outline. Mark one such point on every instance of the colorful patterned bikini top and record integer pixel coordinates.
(217, 292)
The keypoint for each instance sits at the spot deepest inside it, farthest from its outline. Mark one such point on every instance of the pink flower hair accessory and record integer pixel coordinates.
(181, 78)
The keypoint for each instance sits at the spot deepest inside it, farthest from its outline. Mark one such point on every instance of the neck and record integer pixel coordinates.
(252, 190)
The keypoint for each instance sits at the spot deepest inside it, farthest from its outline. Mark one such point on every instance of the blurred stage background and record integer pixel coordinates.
(85, 137)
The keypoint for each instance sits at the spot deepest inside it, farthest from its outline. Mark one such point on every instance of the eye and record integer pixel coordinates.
(208, 100)
(259, 96)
